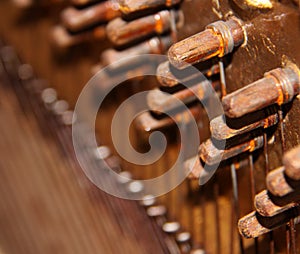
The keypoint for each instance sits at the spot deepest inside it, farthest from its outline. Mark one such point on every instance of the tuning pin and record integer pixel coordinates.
(147, 122)
(184, 241)
(210, 154)
(193, 167)
(266, 207)
(76, 20)
(156, 45)
(291, 162)
(49, 96)
(135, 187)
(277, 87)
(124, 177)
(29, 3)
(254, 225)
(148, 200)
(83, 2)
(121, 32)
(160, 102)
(218, 39)
(220, 130)
(109, 79)
(158, 212)
(167, 78)
(59, 107)
(171, 227)
(277, 180)
(23, 3)
(277, 183)
(63, 39)
(129, 6)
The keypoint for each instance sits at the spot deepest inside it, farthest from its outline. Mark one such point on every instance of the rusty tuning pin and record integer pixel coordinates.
(218, 39)
(278, 86)
(149, 123)
(63, 39)
(265, 206)
(29, 3)
(291, 162)
(220, 130)
(159, 101)
(23, 3)
(156, 45)
(210, 154)
(76, 20)
(121, 32)
(109, 78)
(279, 181)
(254, 225)
(193, 167)
(167, 78)
(83, 2)
(129, 6)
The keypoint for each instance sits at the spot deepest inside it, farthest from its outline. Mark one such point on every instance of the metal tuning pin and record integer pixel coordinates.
(156, 45)
(23, 3)
(291, 162)
(159, 101)
(210, 154)
(184, 241)
(29, 3)
(266, 207)
(83, 2)
(193, 167)
(218, 39)
(171, 227)
(167, 78)
(158, 212)
(147, 122)
(254, 225)
(121, 32)
(278, 86)
(220, 130)
(76, 20)
(129, 6)
(109, 79)
(63, 39)
(279, 181)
